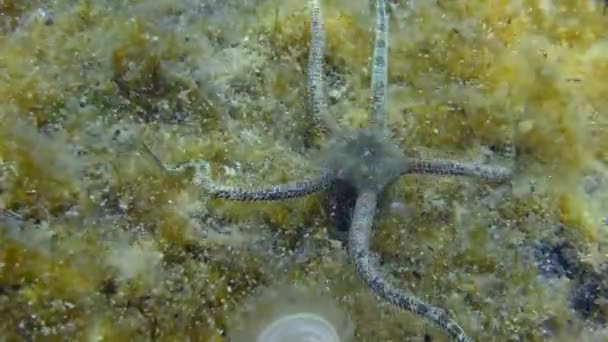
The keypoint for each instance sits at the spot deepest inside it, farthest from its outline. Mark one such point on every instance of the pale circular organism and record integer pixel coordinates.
(290, 313)
(299, 327)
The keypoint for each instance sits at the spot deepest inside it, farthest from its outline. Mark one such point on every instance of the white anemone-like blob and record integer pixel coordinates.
(290, 313)
(299, 327)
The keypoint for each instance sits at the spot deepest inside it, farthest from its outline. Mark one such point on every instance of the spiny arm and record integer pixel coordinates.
(446, 167)
(273, 192)
(456, 168)
(358, 244)
(377, 114)
(316, 93)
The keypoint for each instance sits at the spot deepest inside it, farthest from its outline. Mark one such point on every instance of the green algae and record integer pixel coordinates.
(101, 233)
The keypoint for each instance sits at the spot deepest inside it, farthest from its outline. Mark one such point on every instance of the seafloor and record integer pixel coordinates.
(97, 243)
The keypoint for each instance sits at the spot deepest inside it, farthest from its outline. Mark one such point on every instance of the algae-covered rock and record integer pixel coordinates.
(96, 242)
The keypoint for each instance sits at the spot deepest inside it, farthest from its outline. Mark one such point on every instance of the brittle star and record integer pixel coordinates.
(363, 159)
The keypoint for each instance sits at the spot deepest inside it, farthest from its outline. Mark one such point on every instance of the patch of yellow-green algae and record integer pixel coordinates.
(97, 243)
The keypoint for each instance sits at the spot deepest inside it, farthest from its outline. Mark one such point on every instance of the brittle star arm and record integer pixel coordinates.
(455, 168)
(377, 114)
(316, 93)
(273, 192)
(358, 244)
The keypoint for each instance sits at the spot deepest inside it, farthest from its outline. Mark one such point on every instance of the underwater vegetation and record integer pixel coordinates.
(96, 242)
(364, 160)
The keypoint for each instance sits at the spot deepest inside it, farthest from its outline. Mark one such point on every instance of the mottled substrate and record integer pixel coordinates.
(98, 243)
